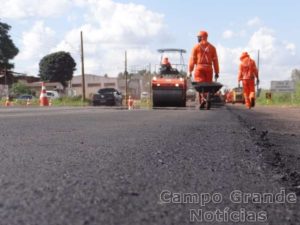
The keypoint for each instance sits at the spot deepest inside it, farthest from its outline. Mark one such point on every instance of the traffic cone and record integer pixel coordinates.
(7, 102)
(28, 102)
(43, 96)
(130, 103)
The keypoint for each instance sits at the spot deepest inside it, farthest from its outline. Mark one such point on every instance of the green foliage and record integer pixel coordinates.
(69, 101)
(296, 75)
(19, 89)
(297, 94)
(57, 67)
(8, 50)
(289, 99)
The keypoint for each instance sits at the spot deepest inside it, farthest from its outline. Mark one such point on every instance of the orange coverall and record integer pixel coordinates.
(204, 56)
(247, 74)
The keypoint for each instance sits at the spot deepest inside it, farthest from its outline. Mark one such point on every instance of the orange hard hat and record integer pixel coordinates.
(202, 34)
(244, 55)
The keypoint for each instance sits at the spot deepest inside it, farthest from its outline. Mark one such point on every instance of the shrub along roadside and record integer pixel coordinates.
(281, 99)
(64, 101)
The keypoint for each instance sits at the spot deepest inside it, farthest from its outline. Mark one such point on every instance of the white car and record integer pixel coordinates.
(145, 95)
(52, 94)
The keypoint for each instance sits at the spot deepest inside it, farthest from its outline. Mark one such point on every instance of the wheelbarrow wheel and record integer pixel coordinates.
(208, 105)
(202, 106)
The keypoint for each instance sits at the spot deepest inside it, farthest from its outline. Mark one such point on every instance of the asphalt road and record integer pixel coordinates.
(83, 166)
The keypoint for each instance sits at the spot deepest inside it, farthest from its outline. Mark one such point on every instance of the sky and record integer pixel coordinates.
(140, 27)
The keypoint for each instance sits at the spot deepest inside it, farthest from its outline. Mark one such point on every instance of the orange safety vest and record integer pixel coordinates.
(204, 55)
(247, 69)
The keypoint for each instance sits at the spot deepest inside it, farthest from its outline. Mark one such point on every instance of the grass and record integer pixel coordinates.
(281, 99)
(64, 101)
(69, 101)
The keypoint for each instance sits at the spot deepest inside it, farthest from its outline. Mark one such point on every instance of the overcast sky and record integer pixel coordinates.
(141, 27)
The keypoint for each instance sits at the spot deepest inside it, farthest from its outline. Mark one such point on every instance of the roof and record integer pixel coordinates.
(162, 50)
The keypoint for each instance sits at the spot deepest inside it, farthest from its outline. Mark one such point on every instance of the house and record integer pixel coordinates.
(50, 86)
(92, 84)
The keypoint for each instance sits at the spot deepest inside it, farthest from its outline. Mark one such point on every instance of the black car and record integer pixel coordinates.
(107, 97)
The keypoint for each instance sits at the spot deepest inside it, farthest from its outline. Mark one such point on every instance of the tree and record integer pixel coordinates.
(20, 88)
(8, 50)
(296, 75)
(57, 67)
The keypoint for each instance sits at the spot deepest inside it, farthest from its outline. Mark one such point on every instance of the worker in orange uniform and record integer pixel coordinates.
(247, 74)
(204, 56)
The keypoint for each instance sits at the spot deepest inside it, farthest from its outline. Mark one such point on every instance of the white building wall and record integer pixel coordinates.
(92, 84)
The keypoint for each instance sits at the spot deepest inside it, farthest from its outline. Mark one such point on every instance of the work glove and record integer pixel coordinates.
(257, 82)
(216, 76)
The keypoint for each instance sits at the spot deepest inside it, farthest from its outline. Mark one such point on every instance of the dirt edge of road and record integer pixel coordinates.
(284, 165)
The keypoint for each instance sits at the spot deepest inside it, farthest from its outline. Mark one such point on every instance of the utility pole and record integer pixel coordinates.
(5, 82)
(126, 79)
(82, 67)
(258, 60)
(257, 85)
(150, 85)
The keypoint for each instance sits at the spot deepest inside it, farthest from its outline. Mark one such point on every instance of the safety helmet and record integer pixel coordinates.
(244, 55)
(202, 34)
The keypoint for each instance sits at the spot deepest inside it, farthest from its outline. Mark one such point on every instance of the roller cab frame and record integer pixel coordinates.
(170, 85)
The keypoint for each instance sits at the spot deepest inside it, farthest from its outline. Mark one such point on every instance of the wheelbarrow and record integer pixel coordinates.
(206, 91)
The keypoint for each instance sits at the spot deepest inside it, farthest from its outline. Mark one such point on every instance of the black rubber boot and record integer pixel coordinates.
(252, 102)
(202, 105)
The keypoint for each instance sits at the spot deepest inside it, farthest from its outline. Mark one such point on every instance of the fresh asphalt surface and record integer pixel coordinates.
(84, 166)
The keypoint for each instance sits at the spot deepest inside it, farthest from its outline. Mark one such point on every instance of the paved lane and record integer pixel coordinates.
(104, 166)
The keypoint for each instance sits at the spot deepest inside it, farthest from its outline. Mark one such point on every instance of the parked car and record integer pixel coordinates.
(108, 97)
(52, 94)
(25, 97)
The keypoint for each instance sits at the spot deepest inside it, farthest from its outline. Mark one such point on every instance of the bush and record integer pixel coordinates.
(19, 89)
(291, 99)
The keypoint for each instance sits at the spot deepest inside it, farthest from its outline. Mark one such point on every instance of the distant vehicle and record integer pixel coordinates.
(169, 87)
(25, 97)
(238, 95)
(52, 94)
(107, 97)
(217, 98)
(145, 95)
(191, 95)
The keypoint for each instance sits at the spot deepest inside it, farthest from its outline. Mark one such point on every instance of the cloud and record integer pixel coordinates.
(36, 41)
(256, 21)
(109, 29)
(35, 44)
(277, 58)
(227, 34)
(230, 34)
(291, 47)
(18, 9)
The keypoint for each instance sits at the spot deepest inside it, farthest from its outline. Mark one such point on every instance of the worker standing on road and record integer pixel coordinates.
(204, 56)
(247, 74)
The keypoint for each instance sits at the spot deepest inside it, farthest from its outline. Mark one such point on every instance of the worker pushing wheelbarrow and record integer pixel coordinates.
(206, 91)
(204, 61)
